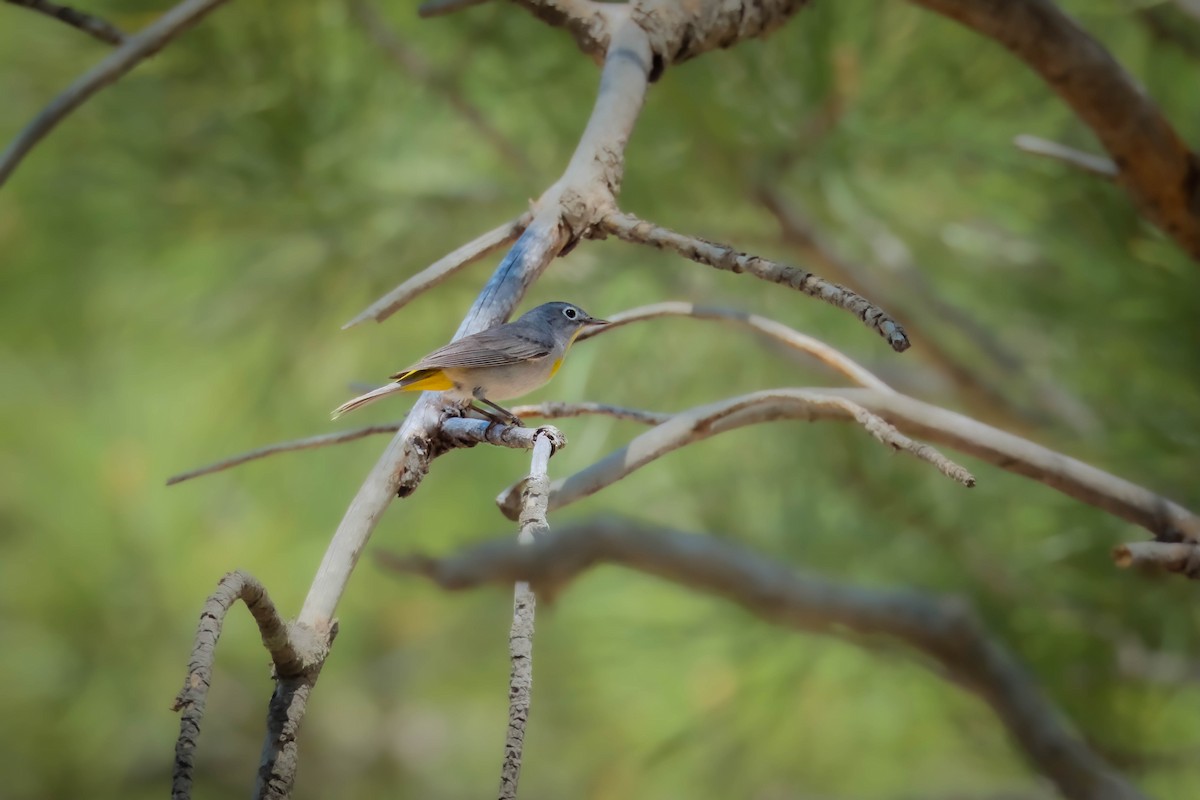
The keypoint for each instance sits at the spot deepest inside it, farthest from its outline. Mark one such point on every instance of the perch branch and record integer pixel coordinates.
(1182, 557)
(1086, 162)
(1156, 168)
(133, 51)
(440, 270)
(90, 24)
(723, 257)
(697, 424)
(942, 629)
(288, 660)
(776, 331)
(520, 636)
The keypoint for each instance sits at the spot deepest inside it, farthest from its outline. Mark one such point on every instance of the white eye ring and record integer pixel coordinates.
(570, 313)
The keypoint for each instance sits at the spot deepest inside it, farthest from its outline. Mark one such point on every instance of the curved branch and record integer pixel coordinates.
(719, 256)
(943, 629)
(1156, 168)
(777, 331)
(289, 658)
(1167, 520)
(697, 424)
(135, 49)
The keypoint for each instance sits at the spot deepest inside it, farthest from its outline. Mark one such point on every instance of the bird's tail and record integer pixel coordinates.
(364, 399)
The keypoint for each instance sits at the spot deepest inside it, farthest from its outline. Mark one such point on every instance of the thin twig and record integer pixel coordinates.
(556, 410)
(441, 269)
(1087, 162)
(90, 24)
(411, 61)
(289, 662)
(1181, 557)
(697, 424)
(520, 636)
(943, 629)
(777, 331)
(719, 256)
(133, 51)
(324, 440)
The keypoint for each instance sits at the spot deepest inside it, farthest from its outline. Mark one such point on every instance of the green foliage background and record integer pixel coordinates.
(179, 255)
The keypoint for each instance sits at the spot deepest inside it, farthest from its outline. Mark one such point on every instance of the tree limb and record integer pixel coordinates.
(520, 636)
(290, 658)
(1156, 168)
(1181, 557)
(944, 630)
(723, 257)
(697, 424)
(90, 24)
(133, 51)
(776, 331)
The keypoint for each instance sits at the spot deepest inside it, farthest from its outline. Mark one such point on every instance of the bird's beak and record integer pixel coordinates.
(594, 321)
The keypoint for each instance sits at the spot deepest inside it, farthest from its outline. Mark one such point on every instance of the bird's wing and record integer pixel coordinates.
(496, 347)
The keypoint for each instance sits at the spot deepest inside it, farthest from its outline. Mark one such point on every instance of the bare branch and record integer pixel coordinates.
(440, 270)
(586, 188)
(697, 424)
(1096, 165)
(1167, 520)
(776, 331)
(1156, 167)
(133, 51)
(590, 24)
(289, 661)
(942, 629)
(554, 410)
(520, 636)
(90, 24)
(412, 62)
(1182, 557)
(723, 257)
(324, 440)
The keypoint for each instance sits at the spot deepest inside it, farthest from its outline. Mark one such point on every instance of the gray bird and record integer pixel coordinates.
(500, 363)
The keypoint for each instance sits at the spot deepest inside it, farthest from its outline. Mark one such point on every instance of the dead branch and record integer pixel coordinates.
(1156, 168)
(412, 62)
(520, 636)
(133, 51)
(723, 257)
(776, 331)
(442, 269)
(1086, 162)
(90, 24)
(1181, 557)
(942, 629)
(290, 661)
(697, 424)
(1167, 520)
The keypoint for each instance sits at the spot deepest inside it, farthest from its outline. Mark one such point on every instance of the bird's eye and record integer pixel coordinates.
(570, 313)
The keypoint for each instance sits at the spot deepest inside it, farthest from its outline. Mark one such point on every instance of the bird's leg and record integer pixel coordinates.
(508, 417)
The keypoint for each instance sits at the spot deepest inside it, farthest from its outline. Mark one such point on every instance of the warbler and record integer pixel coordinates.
(499, 363)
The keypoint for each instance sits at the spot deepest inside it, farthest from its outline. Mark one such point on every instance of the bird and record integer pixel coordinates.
(499, 363)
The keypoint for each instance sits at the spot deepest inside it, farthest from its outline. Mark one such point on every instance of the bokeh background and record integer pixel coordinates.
(178, 258)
